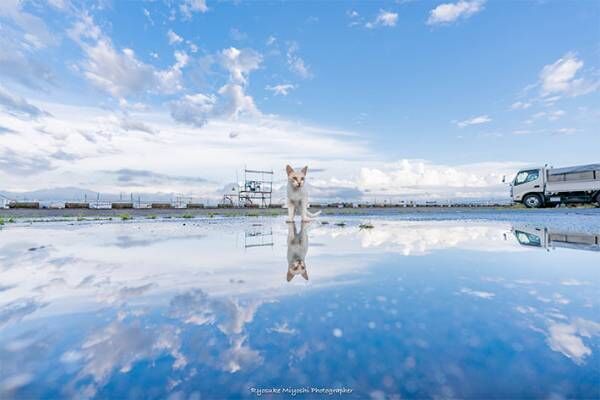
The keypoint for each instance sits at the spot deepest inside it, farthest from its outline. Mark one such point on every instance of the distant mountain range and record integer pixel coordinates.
(79, 194)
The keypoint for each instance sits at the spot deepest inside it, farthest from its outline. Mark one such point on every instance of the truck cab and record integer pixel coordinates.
(528, 187)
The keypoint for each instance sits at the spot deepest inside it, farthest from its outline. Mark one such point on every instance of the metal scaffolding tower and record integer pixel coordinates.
(256, 190)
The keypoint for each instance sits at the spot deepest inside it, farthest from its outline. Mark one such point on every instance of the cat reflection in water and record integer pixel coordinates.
(297, 247)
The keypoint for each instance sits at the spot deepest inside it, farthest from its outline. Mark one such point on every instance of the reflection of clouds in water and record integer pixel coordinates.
(20, 355)
(477, 293)
(239, 356)
(18, 253)
(118, 347)
(568, 338)
(418, 237)
(283, 328)
(196, 307)
(573, 282)
(212, 330)
(16, 310)
(563, 334)
(127, 241)
(14, 382)
(229, 316)
(124, 293)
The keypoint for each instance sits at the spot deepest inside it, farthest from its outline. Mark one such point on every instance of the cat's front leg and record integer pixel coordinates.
(303, 209)
(291, 232)
(291, 212)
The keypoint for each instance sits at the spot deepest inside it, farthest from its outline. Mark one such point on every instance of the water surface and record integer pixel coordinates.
(210, 308)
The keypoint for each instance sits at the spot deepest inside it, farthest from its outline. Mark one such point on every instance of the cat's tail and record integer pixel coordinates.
(311, 215)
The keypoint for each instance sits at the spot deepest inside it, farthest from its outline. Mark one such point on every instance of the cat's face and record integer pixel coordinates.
(296, 178)
(297, 267)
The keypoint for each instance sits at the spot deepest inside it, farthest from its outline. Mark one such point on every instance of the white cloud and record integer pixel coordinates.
(355, 18)
(549, 115)
(20, 65)
(188, 7)
(348, 163)
(173, 37)
(271, 40)
(121, 73)
(520, 105)
(148, 16)
(418, 177)
(281, 89)
(237, 35)
(236, 102)
(384, 18)
(481, 119)
(35, 31)
(566, 131)
(193, 109)
(560, 78)
(296, 64)
(170, 80)
(240, 63)
(130, 124)
(449, 12)
(18, 106)
(231, 100)
(97, 141)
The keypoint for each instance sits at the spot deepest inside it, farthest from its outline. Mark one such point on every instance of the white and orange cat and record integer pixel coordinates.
(297, 195)
(297, 247)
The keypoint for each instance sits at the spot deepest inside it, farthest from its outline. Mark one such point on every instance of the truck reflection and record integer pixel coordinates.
(544, 238)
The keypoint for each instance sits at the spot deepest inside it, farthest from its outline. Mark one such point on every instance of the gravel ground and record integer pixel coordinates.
(564, 219)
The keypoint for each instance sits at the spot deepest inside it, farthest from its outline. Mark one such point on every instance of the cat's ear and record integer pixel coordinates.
(289, 276)
(289, 169)
(305, 274)
(304, 170)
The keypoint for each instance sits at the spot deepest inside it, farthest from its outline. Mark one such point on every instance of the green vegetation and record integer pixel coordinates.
(11, 220)
(187, 216)
(125, 217)
(151, 217)
(80, 218)
(253, 214)
(1, 221)
(366, 226)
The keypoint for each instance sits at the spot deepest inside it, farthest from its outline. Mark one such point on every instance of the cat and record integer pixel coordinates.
(297, 247)
(297, 195)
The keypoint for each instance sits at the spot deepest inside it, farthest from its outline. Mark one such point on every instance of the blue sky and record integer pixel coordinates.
(404, 98)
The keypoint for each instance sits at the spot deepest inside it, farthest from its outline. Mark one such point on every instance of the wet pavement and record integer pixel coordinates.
(382, 306)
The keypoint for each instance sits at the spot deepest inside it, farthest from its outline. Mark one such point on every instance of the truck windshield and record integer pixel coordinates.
(527, 176)
(528, 239)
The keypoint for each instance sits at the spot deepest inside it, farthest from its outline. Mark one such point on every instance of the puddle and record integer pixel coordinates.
(357, 307)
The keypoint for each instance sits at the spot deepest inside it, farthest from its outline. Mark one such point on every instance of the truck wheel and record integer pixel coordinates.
(532, 201)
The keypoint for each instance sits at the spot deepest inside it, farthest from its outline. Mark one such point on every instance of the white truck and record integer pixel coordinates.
(545, 186)
(532, 236)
